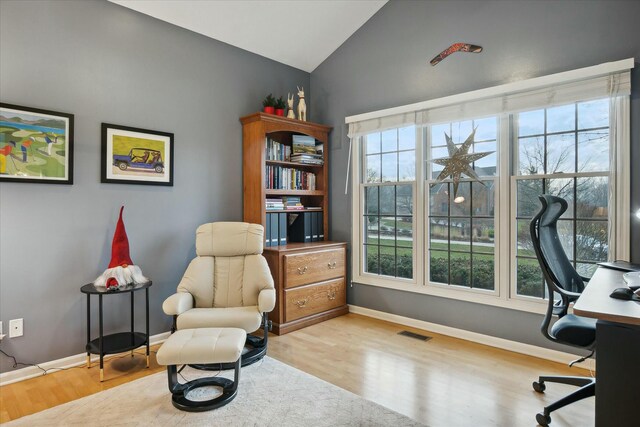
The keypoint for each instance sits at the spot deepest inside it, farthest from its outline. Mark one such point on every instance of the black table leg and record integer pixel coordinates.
(88, 330)
(132, 316)
(119, 342)
(147, 319)
(101, 340)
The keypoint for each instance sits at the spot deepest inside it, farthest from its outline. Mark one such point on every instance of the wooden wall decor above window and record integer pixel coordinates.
(456, 47)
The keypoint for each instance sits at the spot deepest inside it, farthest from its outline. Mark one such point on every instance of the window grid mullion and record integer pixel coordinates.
(449, 229)
(379, 269)
(544, 181)
(395, 230)
(575, 186)
(470, 234)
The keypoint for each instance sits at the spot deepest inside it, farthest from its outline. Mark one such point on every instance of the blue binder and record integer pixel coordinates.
(282, 228)
(274, 229)
(267, 231)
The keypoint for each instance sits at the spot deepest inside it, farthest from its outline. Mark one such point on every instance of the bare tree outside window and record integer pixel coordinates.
(563, 151)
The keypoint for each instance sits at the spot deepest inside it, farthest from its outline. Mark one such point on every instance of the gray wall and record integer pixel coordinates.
(386, 64)
(105, 63)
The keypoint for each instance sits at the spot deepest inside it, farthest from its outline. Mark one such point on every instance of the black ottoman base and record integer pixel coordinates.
(179, 391)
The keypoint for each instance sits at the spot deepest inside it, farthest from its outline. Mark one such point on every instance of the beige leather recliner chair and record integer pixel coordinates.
(228, 284)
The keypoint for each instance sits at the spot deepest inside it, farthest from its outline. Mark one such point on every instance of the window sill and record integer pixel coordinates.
(458, 294)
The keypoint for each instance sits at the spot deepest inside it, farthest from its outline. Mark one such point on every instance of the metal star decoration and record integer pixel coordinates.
(459, 162)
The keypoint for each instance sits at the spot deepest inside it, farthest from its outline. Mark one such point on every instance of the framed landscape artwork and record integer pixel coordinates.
(136, 156)
(35, 145)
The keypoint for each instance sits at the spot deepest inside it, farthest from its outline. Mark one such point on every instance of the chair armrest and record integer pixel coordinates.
(266, 300)
(177, 303)
(572, 296)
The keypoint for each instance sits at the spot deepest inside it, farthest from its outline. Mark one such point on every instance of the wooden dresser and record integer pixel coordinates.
(310, 280)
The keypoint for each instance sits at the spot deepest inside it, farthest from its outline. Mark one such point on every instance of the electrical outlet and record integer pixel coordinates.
(15, 328)
(0, 328)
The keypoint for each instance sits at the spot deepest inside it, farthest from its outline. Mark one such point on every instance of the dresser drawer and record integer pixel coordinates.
(316, 298)
(311, 267)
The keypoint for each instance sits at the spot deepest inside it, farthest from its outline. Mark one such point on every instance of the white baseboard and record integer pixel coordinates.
(504, 344)
(66, 362)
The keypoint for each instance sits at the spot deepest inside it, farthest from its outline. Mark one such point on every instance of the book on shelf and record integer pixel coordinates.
(275, 150)
(313, 159)
(289, 203)
(274, 204)
(292, 202)
(291, 199)
(281, 178)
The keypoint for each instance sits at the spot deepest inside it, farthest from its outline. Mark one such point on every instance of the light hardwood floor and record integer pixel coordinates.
(441, 382)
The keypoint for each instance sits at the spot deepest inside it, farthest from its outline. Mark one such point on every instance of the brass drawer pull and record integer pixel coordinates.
(301, 303)
(332, 265)
(332, 294)
(302, 270)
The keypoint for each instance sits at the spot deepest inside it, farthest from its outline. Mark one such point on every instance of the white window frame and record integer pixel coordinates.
(504, 294)
(359, 212)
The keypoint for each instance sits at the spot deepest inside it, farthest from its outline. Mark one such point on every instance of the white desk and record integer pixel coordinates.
(617, 349)
(596, 303)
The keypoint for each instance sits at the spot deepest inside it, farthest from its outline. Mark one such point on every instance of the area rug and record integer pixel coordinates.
(270, 394)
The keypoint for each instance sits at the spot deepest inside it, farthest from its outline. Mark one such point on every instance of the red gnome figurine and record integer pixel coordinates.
(121, 271)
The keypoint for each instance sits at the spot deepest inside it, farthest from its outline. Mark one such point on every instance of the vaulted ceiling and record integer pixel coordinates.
(299, 33)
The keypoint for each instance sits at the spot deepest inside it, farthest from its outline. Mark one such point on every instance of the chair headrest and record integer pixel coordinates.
(229, 239)
(553, 207)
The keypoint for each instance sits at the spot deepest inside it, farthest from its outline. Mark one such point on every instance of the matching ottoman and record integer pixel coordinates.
(203, 345)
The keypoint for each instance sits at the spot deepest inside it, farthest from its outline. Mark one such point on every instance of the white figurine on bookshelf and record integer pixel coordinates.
(302, 106)
(290, 113)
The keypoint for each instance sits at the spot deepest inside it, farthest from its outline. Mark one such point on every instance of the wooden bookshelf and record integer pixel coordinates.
(255, 130)
(310, 278)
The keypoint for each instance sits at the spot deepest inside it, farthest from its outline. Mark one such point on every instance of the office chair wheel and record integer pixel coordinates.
(539, 387)
(543, 420)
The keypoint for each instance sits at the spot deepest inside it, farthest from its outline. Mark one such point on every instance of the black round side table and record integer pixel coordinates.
(121, 341)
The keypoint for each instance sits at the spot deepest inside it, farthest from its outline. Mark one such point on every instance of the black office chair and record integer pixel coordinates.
(561, 279)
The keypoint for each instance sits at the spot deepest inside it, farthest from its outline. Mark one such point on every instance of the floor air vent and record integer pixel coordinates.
(414, 335)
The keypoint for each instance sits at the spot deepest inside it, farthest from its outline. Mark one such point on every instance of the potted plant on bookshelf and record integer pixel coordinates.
(269, 104)
(280, 106)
